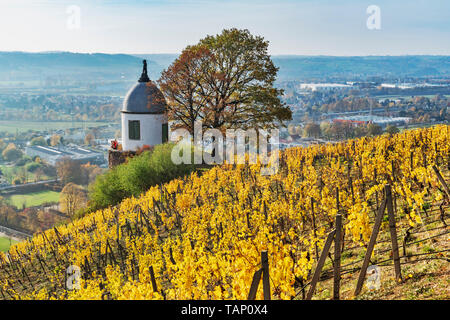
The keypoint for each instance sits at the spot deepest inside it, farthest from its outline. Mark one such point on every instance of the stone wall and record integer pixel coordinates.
(116, 157)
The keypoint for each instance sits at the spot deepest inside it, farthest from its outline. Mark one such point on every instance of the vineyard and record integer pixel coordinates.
(203, 237)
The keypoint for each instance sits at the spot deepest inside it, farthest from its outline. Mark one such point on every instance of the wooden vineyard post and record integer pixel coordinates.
(373, 238)
(442, 181)
(337, 257)
(320, 264)
(264, 272)
(436, 150)
(375, 182)
(171, 256)
(411, 161)
(255, 284)
(266, 280)
(314, 226)
(152, 276)
(391, 215)
(393, 169)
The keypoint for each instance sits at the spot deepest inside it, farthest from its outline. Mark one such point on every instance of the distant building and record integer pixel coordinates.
(408, 85)
(364, 120)
(354, 123)
(323, 86)
(143, 118)
(362, 84)
(52, 155)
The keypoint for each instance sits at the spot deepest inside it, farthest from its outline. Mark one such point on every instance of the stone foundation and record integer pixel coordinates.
(116, 157)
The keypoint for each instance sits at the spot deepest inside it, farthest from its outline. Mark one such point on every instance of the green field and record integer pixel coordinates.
(33, 199)
(23, 126)
(5, 244)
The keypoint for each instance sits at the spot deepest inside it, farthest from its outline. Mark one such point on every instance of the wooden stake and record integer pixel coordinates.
(442, 181)
(314, 227)
(266, 280)
(323, 257)
(337, 257)
(255, 284)
(393, 170)
(373, 238)
(391, 214)
(171, 256)
(152, 276)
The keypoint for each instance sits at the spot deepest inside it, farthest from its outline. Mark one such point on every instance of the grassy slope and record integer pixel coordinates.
(423, 278)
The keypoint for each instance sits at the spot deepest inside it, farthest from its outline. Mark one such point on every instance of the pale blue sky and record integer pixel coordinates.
(305, 27)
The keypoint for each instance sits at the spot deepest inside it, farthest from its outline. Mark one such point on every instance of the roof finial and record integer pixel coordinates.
(144, 75)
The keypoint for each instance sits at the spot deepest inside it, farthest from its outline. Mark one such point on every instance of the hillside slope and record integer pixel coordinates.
(202, 237)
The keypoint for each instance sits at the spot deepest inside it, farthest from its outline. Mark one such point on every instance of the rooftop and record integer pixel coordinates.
(144, 97)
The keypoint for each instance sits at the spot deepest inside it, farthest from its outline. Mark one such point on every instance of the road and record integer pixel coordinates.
(13, 234)
(17, 186)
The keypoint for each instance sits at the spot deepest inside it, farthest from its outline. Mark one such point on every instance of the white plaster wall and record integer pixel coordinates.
(151, 130)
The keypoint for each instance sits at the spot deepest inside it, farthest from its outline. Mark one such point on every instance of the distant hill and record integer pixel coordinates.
(23, 66)
(307, 67)
(81, 67)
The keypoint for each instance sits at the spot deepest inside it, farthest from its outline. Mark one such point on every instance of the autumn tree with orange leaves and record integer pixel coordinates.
(181, 84)
(227, 81)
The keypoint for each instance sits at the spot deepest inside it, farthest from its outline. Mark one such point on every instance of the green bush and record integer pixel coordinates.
(23, 161)
(107, 190)
(11, 153)
(392, 129)
(33, 166)
(135, 177)
(38, 141)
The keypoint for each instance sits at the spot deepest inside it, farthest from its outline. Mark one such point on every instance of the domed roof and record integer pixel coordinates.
(144, 97)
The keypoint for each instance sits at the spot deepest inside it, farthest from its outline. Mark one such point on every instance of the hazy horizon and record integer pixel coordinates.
(274, 55)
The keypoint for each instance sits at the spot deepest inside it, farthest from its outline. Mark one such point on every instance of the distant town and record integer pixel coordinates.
(55, 134)
(331, 111)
